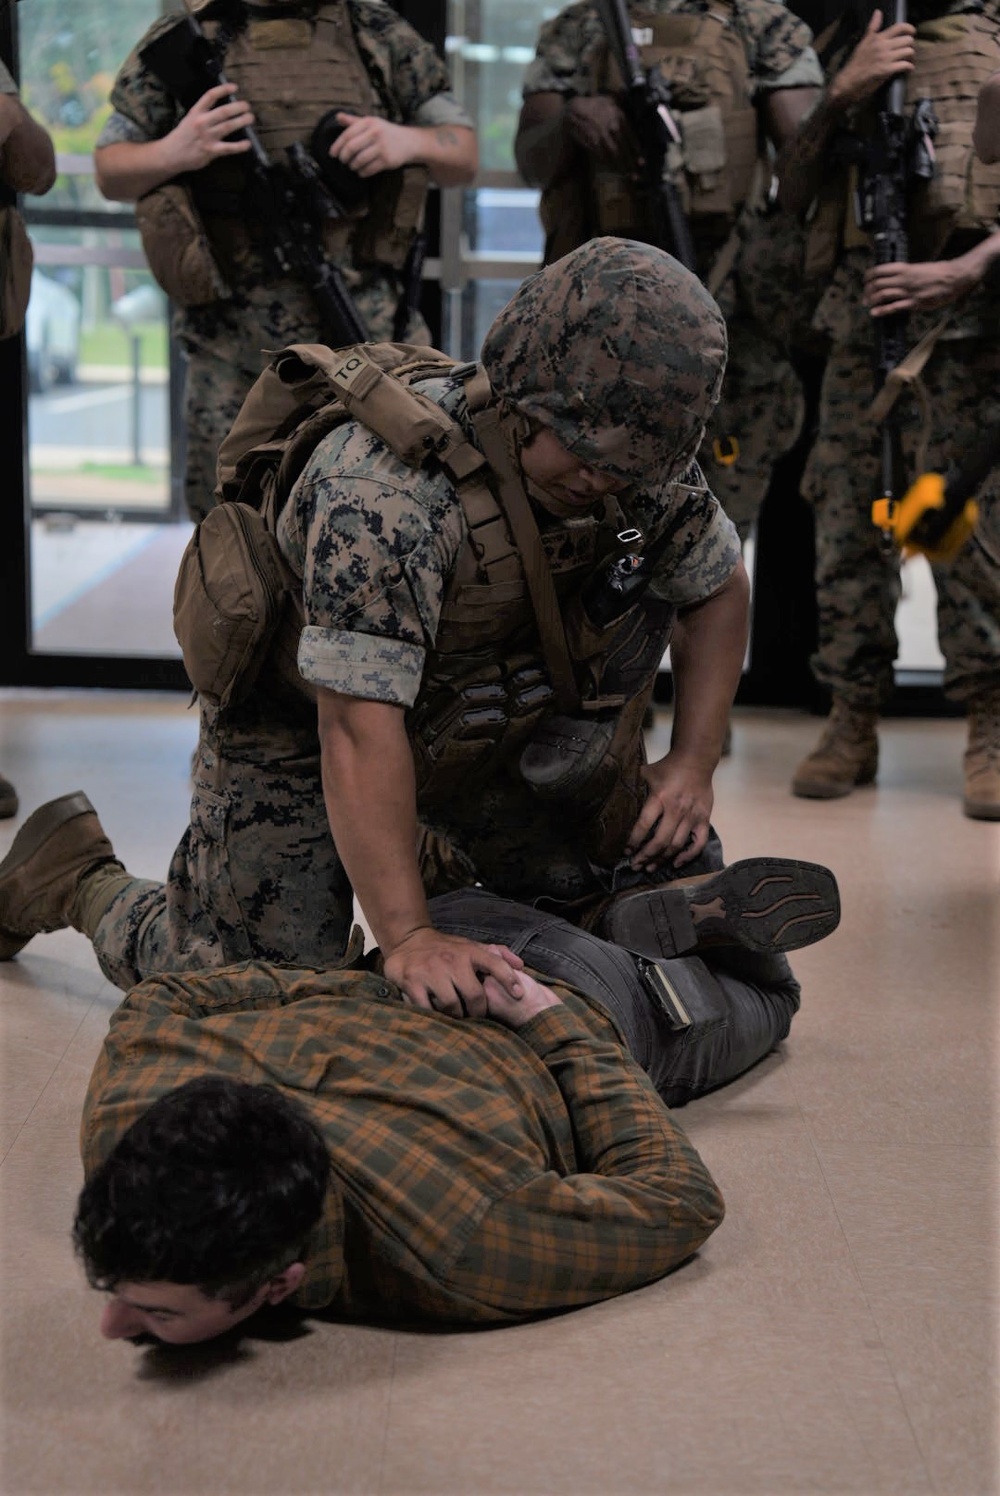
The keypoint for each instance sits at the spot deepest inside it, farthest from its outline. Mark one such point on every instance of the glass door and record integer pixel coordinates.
(103, 521)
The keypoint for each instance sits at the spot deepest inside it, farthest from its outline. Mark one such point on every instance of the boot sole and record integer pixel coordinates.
(766, 904)
(36, 830)
(819, 789)
(981, 810)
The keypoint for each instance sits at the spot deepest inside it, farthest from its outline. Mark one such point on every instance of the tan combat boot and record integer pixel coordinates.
(846, 755)
(982, 760)
(40, 876)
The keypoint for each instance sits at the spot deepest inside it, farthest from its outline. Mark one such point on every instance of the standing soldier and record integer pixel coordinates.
(348, 80)
(740, 73)
(945, 52)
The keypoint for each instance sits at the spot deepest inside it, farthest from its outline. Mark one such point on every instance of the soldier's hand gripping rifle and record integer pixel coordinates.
(900, 153)
(289, 200)
(646, 105)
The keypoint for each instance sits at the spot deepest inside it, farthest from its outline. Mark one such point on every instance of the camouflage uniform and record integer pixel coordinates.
(761, 403)
(376, 543)
(858, 583)
(224, 340)
(857, 580)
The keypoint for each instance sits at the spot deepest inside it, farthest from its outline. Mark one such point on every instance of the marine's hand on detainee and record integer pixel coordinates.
(201, 135)
(900, 287)
(598, 126)
(447, 972)
(513, 1012)
(674, 822)
(879, 56)
(369, 145)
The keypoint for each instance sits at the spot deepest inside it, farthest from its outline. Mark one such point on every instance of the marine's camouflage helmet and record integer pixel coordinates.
(617, 349)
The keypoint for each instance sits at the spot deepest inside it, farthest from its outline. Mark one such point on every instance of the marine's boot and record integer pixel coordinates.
(40, 877)
(982, 760)
(845, 756)
(8, 799)
(764, 903)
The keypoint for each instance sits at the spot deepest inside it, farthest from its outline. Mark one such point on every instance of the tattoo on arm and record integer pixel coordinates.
(446, 135)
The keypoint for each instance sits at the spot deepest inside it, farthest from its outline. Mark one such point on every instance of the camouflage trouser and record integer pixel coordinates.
(225, 346)
(256, 873)
(857, 582)
(757, 420)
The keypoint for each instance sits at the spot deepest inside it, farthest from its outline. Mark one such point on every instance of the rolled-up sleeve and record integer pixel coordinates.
(375, 542)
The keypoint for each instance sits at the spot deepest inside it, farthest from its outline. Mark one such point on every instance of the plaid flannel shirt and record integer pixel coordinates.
(478, 1175)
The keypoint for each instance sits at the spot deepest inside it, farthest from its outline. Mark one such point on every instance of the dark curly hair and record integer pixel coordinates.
(217, 1185)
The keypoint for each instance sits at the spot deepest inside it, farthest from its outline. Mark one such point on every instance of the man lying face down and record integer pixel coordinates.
(256, 1133)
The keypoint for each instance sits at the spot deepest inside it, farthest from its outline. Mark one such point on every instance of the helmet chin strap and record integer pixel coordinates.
(517, 431)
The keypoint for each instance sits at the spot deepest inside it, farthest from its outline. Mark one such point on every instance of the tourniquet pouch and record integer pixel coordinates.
(177, 247)
(228, 600)
(16, 260)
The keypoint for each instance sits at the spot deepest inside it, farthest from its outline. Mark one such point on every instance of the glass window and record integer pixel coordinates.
(105, 534)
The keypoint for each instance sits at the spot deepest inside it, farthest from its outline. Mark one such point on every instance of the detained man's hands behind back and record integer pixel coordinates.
(514, 1012)
(449, 973)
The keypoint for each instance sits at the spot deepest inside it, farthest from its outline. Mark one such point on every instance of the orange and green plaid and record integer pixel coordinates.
(479, 1175)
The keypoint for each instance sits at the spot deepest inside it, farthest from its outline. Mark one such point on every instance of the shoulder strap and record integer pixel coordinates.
(541, 588)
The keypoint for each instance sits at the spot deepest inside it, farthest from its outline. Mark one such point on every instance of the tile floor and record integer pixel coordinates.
(837, 1335)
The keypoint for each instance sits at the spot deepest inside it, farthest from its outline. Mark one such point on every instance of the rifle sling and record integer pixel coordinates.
(541, 588)
(907, 374)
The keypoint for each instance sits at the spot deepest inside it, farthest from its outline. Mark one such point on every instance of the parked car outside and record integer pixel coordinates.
(52, 333)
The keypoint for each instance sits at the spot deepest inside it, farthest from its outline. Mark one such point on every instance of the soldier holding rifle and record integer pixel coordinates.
(909, 238)
(651, 121)
(353, 90)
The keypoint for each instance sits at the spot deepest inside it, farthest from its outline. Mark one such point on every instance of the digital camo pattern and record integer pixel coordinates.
(619, 351)
(257, 873)
(227, 346)
(858, 586)
(775, 41)
(225, 342)
(376, 544)
(757, 420)
(762, 401)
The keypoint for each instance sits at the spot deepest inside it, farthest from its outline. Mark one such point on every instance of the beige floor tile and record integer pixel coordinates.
(836, 1335)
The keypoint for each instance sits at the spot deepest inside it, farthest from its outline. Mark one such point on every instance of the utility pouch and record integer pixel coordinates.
(704, 143)
(16, 261)
(663, 993)
(177, 246)
(228, 601)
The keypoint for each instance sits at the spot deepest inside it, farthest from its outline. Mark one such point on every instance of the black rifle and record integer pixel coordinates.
(289, 201)
(899, 154)
(646, 105)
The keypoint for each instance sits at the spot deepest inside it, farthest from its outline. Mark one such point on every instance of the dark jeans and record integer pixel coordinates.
(740, 1003)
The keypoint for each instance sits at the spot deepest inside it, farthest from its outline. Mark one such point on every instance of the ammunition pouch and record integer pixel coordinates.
(464, 728)
(177, 246)
(229, 598)
(16, 261)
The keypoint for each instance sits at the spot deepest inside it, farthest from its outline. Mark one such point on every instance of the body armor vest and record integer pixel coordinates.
(705, 62)
(485, 686)
(954, 57)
